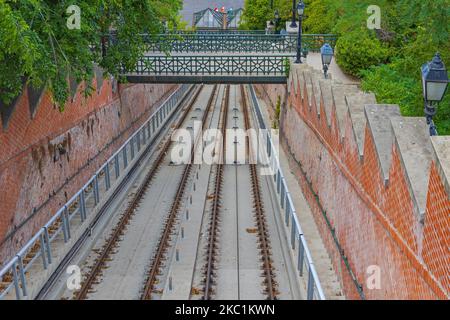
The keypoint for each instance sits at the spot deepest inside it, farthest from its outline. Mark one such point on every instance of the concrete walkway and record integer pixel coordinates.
(315, 60)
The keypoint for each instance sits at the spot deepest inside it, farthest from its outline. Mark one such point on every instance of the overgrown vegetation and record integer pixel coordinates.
(36, 44)
(276, 120)
(387, 60)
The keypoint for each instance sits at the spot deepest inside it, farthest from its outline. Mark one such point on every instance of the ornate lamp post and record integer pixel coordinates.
(277, 19)
(294, 7)
(300, 11)
(434, 86)
(326, 53)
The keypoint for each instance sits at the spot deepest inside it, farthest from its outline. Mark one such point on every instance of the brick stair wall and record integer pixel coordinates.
(377, 183)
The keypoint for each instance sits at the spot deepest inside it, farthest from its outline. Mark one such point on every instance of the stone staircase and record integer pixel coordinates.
(351, 124)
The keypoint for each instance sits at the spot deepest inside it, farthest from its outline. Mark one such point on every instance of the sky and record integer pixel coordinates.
(191, 6)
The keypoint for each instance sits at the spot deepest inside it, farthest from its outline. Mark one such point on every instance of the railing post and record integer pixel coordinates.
(66, 218)
(132, 147)
(287, 210)
(82, 206)
(16, 280)
(138, 140)
(301, 256)
(278, 181)
(117, 166)
(310, 285)
(125, 157)
(22, 276)
(107, 177)
(96, 191)
(65, 225)
(293, 227)
(47, 245)
(42, 242)
(144, 138)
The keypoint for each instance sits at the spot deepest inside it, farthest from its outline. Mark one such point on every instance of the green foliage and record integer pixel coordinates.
(391, 87)
(287, 67)
(389, 60)
(255, 15)
(276, 120)
(357, 50)
(319, 17)
(36, 44)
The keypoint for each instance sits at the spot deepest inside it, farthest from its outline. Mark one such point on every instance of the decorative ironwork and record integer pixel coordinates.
(211, 65)
(231, 42)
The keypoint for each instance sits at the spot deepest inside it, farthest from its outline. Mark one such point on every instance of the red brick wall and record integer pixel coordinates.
(362, 221)
(34, 176)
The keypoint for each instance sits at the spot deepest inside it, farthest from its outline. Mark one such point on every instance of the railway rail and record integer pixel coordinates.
(263, 233)
(231, 244)
(111, 243)
(164, 240)
(215, 207)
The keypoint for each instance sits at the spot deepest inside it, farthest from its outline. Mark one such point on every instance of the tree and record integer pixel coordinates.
(38, 46)
(256, 13)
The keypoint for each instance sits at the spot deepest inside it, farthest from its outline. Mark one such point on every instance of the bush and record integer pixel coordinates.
(357, 50)
(392, 86)
(320, 17)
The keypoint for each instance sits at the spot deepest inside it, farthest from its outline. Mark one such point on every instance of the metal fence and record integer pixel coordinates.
(211, 65)
(305, 264)
(13, 276)
(235, 42)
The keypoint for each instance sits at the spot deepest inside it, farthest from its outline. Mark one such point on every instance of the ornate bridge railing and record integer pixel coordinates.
(243, 65)
(235, 42)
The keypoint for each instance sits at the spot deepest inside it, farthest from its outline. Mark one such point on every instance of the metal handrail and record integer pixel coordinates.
(43, 239)
(210, 65)
(238, 42)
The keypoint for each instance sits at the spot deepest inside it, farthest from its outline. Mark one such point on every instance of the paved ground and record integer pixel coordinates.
(191, 6)
(314, 59)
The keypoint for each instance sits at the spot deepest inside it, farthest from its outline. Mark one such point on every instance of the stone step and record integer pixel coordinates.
(315, 79)
(412, 139)
(441, 150)
(339, 92)
(356, 103)
(378, 119)
(327, 95)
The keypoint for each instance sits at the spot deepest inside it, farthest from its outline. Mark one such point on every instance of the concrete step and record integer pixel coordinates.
(339, 92)
(327, 95)
(412, 138)
(356, 103)
(378, 119)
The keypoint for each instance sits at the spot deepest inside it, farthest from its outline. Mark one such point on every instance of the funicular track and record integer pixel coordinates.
(164, 240)
(263, 234)
(119, 229)
(215, 206)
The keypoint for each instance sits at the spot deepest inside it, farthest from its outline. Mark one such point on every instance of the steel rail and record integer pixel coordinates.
(164, 240)
(215, 207)
(264, 245)
(124, 219)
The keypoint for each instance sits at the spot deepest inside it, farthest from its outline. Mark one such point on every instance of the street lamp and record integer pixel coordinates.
(300, 11)
(327, 55)
(294, 7)
(434, 86)
(277, 19)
